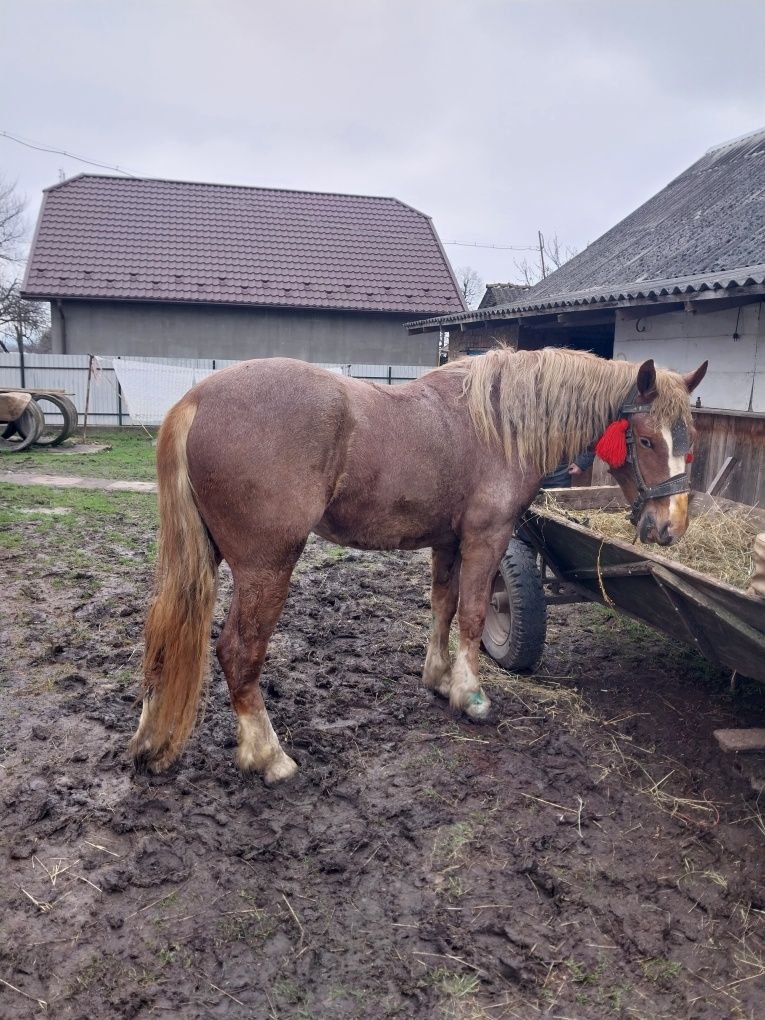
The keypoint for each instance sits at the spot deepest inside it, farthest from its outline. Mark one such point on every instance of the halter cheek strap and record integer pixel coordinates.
(670, 487)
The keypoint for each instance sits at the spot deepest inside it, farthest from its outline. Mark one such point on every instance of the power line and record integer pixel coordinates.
(499, 247)
(60, 152)
(107, 166)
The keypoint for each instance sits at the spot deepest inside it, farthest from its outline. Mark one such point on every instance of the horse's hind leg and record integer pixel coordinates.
(445, 564)
(259, 596)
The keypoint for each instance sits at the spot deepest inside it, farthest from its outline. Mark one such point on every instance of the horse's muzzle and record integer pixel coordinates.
(650, 531)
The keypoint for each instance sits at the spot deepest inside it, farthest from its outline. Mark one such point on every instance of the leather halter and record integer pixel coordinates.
(670, 487)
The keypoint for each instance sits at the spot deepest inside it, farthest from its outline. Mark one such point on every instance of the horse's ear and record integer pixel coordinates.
(646, 380)
(692, 379)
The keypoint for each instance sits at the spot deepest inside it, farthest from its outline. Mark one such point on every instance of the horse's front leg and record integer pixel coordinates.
(481, 555)
(437, 674)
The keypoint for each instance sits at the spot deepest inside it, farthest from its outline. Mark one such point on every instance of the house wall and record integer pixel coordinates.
(210, 331)
(682, 340)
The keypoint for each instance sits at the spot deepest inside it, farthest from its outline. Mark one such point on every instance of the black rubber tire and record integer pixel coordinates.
(49, 435)
(516, 620)
(27, 427)
(69, 424)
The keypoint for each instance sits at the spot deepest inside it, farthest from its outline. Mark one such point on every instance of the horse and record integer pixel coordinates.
(257, 457)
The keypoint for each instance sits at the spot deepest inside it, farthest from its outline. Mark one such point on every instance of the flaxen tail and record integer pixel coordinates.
(177, 632)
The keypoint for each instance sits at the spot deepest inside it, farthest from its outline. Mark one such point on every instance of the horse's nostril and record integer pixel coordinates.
(665, 535)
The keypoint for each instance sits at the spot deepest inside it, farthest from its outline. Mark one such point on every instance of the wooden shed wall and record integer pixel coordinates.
(722, 434)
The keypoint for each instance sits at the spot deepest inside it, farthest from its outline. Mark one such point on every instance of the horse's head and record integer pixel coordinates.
(655, 450)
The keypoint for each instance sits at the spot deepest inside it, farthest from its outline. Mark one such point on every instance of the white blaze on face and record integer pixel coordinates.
(678, 504)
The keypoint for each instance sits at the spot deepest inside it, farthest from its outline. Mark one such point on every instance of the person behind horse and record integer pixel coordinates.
(563, 475)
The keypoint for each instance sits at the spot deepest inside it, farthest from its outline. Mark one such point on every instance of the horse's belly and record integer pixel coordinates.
(391, 529)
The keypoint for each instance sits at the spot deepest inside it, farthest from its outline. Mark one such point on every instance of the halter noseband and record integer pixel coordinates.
(671, 487)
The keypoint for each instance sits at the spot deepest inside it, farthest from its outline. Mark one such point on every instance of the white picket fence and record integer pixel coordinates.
(107, 404)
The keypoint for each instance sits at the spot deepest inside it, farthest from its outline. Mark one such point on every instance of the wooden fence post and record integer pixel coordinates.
(87, 398)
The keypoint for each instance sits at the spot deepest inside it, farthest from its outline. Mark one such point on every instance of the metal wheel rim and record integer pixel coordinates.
(498, 618)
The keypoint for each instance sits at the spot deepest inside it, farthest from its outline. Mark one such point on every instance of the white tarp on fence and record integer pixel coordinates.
(109, 402)
(151, 390)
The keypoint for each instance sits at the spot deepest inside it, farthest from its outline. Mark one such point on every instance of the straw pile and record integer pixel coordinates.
(719, 542)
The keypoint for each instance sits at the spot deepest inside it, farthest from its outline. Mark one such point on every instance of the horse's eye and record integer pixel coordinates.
(646, 442)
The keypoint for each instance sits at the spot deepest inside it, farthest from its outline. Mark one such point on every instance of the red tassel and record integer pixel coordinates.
(689, 458)
(612, 445)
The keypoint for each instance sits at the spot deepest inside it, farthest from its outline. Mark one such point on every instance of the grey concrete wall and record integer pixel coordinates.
(733, 340)
(209, 331)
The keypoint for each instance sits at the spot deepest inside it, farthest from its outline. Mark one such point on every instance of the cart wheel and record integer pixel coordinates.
(516, 620)
(22, 432)
(52, 435)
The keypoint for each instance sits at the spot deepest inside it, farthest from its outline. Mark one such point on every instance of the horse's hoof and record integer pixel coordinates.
(477, 706)
(141, 761)
(280, 770)
(148, 759)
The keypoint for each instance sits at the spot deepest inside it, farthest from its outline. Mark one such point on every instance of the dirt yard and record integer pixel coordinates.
(589, 853)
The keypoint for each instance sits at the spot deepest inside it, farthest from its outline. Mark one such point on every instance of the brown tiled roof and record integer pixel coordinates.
(140, 239)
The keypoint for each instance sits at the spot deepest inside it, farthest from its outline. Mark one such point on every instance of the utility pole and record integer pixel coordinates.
(542, 253)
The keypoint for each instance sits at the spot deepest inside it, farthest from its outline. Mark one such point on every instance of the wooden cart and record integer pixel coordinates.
(30, 427)
(556, 560)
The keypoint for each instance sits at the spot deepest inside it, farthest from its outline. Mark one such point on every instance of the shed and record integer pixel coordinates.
(681, 279)
(147, 267)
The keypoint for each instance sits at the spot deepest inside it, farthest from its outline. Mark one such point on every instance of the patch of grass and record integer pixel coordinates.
(131, 455)
(659, 970)
(83, 503)
(452, 841)
(581, 976)
(10, 540)
(454, 985)
(454, 888)
(288, 990)
(251, 927)
(615, 998)
(167, 954)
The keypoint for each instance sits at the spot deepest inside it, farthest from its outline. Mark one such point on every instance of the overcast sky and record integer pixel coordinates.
(495, 118)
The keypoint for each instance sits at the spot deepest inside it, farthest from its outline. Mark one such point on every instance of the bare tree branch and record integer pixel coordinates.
(12, 225)
(471, 285)
(550, 251)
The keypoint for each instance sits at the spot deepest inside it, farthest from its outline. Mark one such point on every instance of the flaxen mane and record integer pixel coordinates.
(553, 403)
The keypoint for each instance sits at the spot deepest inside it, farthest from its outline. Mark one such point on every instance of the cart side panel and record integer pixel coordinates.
(725, 625)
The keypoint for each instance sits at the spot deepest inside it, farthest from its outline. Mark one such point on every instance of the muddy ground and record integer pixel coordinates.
(587, 854)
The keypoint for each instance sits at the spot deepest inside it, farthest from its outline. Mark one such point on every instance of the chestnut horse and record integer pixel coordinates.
(258, 456)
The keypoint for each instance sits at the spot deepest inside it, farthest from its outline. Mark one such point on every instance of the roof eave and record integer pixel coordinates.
(148, 300)
(650, 293)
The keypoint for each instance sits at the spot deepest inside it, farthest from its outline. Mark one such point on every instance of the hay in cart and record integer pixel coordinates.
(719, 542)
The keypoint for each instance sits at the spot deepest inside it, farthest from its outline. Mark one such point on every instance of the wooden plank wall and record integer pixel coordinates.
(722, 434)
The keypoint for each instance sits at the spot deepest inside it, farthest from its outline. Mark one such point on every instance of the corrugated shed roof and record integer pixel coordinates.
(680, 288)
(142, 239)
(704, 232)
(502, 294)
(709, 220)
